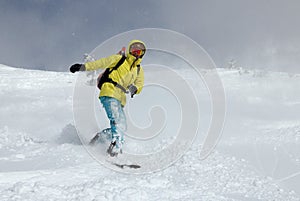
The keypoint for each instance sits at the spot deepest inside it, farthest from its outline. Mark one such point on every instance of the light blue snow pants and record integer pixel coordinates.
(116, 116)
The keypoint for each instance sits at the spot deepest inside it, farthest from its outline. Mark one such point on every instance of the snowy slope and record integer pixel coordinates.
(42, 158)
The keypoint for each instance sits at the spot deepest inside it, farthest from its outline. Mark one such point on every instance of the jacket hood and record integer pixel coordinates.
(130, 43)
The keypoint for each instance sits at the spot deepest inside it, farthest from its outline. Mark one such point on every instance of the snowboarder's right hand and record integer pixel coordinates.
(77, 67)
(132, 89)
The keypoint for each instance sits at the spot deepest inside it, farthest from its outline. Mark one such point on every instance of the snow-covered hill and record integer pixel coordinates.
(257, 158)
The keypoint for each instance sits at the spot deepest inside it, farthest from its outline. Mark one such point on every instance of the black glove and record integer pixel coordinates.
(132, 89)
(77, 67)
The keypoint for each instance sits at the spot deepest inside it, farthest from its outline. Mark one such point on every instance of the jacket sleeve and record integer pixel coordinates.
(139, 81)
(102, 63)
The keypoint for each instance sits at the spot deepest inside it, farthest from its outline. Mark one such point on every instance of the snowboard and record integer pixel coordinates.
(99, 139)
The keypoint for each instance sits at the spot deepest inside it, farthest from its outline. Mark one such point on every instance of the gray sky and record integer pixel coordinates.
(52, 35)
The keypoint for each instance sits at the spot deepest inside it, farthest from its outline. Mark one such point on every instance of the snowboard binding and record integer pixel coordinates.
(111, 148)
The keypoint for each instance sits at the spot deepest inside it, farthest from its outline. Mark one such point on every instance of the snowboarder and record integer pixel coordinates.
(123, 75)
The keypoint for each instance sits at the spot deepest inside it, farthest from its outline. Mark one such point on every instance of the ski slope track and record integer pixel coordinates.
(257, 157)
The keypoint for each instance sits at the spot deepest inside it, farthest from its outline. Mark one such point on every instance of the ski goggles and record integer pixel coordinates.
(137, 49)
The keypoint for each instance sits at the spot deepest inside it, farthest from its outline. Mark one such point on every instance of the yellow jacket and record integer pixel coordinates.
(125, 75)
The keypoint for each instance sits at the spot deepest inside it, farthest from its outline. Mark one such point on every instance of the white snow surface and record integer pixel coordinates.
(257, 157)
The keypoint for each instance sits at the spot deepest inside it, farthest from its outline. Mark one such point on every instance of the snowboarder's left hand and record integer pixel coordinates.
(132, 89)
(77, 67)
